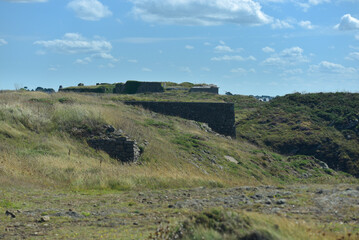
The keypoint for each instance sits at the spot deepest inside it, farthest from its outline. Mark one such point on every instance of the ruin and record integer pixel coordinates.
(205, 88)
(133, 87)
(218, 116)
(115, 144)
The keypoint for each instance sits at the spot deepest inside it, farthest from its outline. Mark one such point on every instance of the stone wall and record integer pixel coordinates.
(205, 89)
(116, 145)
(133, 87)
(218, 116)
(150, 87)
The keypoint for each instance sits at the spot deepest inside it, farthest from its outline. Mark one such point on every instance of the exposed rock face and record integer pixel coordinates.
(116, 144)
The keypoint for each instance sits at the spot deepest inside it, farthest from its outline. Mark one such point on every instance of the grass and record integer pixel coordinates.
(39, 144)
(323, 125)
(219, 223)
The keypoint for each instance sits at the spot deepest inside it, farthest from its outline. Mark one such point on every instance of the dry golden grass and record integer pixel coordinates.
(36, 146)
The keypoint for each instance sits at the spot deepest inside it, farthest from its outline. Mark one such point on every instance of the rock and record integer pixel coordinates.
(231, 159)
(44, 219)
(323, 165)
(281, 202)
(10, 214)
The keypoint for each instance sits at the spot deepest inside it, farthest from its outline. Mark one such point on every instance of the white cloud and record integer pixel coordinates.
(239, 70)
(185, 69)
(289, 56)
(291, 72)
(189, 47)
(281, 24)
(104, 55)
(85, 60)
(53, 69)
(146, 70)
(268, 49)
(243, 71)
(310, 3)
(205, 69)
(74, 43)
(132, 60)
(2, 42)
(25, 1)
(328, 67)
(317, 2)
(200, 12)
(357, 37)
(223, 48)
(207, 44)
(348, 22)
(147, 40)
(306, 25)
(233, 58)
(353, 56)
(90, 10)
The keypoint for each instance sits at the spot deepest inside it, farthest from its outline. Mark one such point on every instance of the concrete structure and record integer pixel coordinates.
(218, 116)
(115, 144)
(133, 87)
(205, 88)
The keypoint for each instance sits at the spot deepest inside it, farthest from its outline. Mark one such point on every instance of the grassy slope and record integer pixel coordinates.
(324, 125)
(36, 146)
(37, 149)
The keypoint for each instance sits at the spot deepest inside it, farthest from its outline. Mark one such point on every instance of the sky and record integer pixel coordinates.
(249, 47)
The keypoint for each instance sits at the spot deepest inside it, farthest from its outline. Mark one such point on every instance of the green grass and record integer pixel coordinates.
(219, 223)
(43, 141)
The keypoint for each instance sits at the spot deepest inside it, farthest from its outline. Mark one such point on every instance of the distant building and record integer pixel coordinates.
(205, 88)
(133, 87)
(263, 98)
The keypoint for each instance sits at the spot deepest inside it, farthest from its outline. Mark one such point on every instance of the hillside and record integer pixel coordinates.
(323, 125)
(74, 191)
(38, 142)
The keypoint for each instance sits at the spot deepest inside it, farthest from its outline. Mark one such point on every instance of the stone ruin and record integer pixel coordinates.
(115, 144)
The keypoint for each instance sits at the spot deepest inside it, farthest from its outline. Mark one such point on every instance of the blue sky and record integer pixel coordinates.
(270, 47)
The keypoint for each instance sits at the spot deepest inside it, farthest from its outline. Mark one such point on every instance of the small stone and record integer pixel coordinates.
(10, 214)
(281, 201)
(44, 219)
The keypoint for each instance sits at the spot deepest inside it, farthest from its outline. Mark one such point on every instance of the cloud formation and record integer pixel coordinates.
(268, 49)
(73, 43)
(90, 10)
(233, 58)
(329, 67)
(353, 56)
(2, 42)
(289, 56)
(306, 25)
(200, 12)
(347, 23)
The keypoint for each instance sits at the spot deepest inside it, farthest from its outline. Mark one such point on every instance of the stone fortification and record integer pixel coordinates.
(205, 88)
(218, 116)
(133, 87)
(115, 144)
